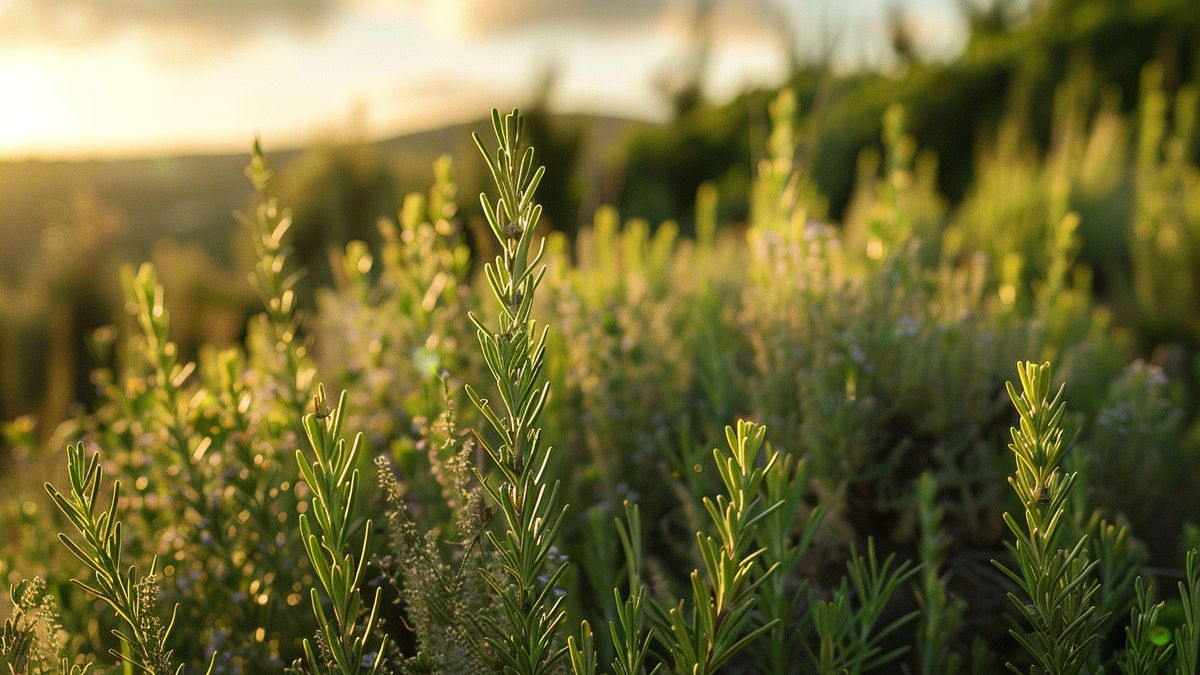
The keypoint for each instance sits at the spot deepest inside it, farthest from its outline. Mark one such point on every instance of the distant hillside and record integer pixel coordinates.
(193, 197)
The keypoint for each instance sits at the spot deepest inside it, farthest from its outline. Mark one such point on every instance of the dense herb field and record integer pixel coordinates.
(774, 448)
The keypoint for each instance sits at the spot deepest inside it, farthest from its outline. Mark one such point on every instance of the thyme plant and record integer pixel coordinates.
(29, 638)
(435, 570)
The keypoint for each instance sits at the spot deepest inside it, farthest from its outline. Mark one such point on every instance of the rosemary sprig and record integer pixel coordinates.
(526, 637)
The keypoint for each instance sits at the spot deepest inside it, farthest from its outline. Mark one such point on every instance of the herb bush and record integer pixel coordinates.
(541, 428)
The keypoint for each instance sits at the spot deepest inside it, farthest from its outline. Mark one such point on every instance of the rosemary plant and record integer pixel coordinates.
(285, 355)
(848, 630)
(199, 441)
(171, 408)
(333, 479)
(859, 342)
(1143, 656)
(582, 652)
(786, 535)
(630, 639)
(1187, 636)
(1118, 558)
(721, 622)
(526, 636)
(940, 613)
(1059, 603)
(1147, 654)
(132, 597)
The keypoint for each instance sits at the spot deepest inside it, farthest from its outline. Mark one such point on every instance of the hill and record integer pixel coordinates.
(191, 198)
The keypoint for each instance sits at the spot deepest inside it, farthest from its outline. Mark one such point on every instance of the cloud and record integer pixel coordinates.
(80, 22)
(732, 21)
(476, 18)
(190, 28)
(86, 21)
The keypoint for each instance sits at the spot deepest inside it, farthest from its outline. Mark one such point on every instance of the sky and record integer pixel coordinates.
(116, 78)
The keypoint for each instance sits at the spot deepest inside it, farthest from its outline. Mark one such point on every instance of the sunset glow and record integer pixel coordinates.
(76, 82)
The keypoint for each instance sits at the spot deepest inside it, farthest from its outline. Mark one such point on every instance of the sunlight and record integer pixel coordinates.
(21, 119)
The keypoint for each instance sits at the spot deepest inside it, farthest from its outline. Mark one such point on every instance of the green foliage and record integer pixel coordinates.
(526, 637)
(786, 536)
(1144, 654)
(1055, 575)
(203, 445)
(875, 349)
(1187, 636)
(283, 352)
(1137, 419)
(631, 640)
(444, 595)
(1015, 56)
(631, 643)
(133, 598)
(333, 479)
(29, 638)
(941, 614)
(718, 625)
(847, 631)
